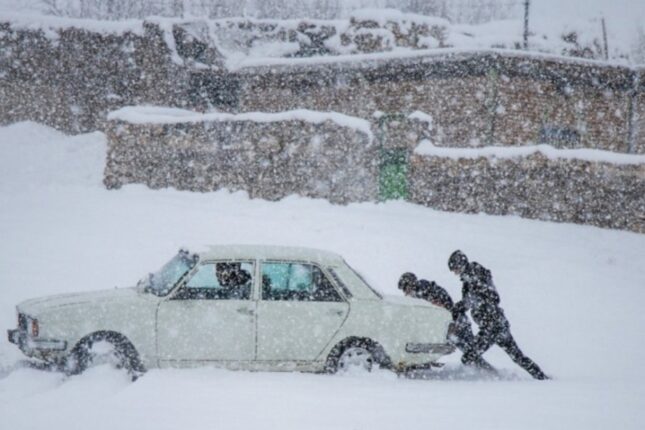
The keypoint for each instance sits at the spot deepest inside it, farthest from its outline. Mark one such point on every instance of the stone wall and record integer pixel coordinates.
(475, 99)
(274, 159)
(72, 78)
(578, 191)
(637, 131)
(267, 159)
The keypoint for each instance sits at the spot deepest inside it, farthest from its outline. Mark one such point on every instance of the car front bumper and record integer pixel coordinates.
(29, 345)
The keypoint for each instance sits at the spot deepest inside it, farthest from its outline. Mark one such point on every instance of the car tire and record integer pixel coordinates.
(355, 359)
(356, 353)
(104, 348)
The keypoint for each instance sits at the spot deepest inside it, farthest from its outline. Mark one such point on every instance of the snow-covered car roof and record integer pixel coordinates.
(269, 252)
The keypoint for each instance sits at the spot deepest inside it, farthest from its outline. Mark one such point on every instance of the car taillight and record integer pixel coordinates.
(34, 328)
(451, 336)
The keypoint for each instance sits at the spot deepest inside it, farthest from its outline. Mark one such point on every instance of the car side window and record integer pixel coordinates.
(340, 283)
(296, 282)
(229, 280)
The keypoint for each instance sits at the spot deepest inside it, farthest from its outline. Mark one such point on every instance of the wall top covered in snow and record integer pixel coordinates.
(505, 152)
(52, 24)
(483, 58)
(167, 115)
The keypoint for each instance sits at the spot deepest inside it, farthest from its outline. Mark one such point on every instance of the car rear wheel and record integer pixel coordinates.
(357, 353)
(355, 359)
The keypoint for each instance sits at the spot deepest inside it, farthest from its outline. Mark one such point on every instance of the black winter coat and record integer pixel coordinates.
(481, 298)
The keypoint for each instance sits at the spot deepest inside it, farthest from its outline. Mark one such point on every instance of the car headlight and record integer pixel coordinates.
(451, 335)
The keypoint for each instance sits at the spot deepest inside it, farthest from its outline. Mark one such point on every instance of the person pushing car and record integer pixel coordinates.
(481, 298)
(461, 336)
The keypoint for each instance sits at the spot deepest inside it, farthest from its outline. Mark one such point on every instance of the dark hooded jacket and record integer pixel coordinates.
(481, 298)
(432, 292)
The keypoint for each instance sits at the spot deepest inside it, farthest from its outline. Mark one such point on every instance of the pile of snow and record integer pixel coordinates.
(426, 147)
(572, 293)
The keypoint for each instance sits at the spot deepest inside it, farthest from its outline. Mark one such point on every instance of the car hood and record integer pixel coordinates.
(35, 306)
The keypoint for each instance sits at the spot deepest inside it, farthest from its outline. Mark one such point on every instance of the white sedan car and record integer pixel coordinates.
(239, 307)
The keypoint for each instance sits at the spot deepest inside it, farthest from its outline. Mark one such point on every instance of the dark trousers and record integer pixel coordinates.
(464, 339)
(484, 340)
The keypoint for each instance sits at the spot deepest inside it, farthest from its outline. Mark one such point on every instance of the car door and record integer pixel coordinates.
(298, 313)
(211, 317)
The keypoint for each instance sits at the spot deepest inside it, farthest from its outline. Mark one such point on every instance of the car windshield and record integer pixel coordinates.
(161, 282)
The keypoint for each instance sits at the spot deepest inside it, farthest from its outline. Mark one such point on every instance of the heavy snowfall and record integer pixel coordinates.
(573, 293)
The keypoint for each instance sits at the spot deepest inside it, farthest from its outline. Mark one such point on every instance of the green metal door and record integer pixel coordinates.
(393, 180)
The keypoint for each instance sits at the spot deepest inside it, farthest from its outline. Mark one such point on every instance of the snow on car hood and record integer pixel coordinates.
(35, 306)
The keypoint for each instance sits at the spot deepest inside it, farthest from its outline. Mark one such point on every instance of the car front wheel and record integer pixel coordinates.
(104, 349)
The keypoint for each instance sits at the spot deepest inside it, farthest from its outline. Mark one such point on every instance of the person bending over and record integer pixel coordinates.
(461, 336)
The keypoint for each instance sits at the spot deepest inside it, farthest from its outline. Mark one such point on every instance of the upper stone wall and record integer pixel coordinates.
(475, 99)
(71, 77)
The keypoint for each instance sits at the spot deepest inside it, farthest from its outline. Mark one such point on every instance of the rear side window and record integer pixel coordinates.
(376, 293)
(296, 282)
(340, 283)
(348, 272)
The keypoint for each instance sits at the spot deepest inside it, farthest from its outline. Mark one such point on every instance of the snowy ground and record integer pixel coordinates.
(574, 296)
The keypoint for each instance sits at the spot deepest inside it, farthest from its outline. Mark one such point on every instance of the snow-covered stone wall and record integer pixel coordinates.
(315, 154)
(475, 98)
(581, 186)
(70, 73)
(70, 76)
(337, 157)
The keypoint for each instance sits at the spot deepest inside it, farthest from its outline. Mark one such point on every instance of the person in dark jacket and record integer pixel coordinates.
(234, 280)
(481, 298)
(461, 336)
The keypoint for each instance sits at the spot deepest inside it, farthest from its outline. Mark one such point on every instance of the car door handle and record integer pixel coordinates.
(245, 311)
(337, 312)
